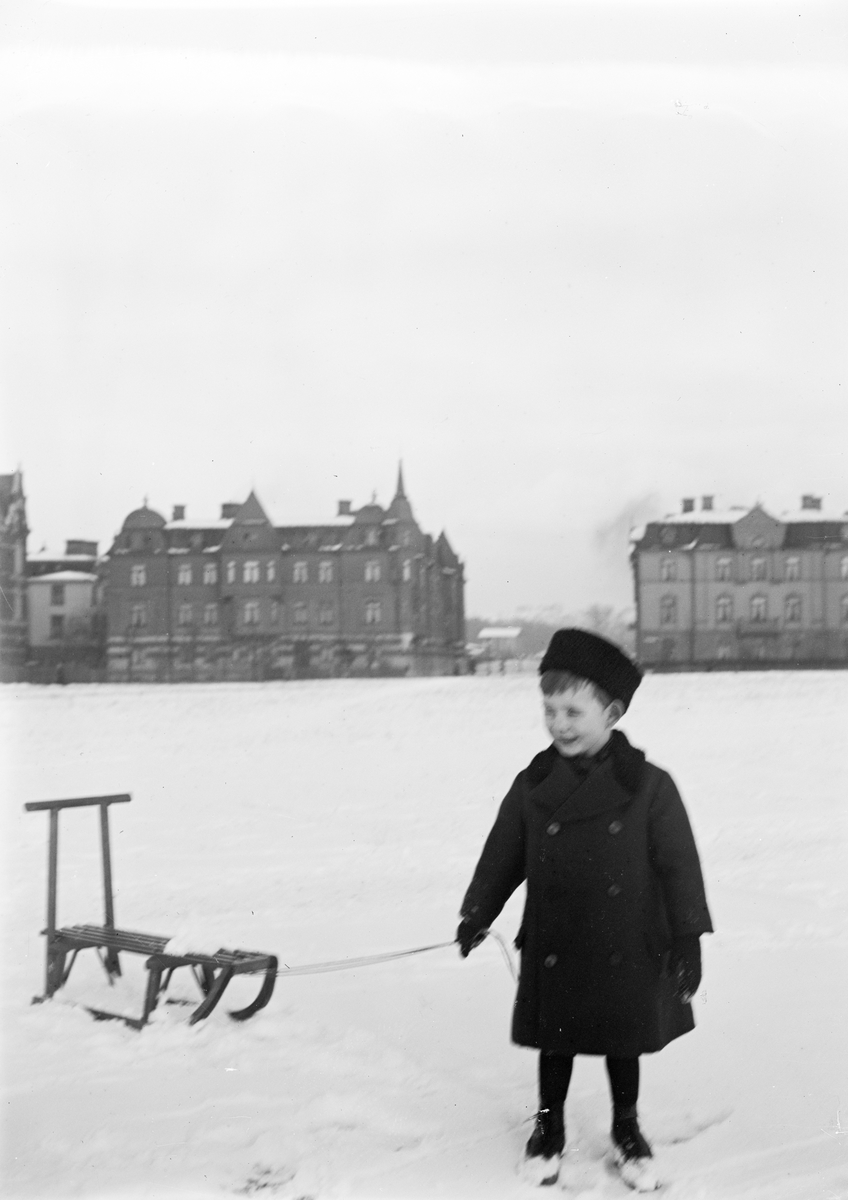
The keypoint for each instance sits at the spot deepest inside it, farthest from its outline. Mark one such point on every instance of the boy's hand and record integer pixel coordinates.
(684, 965)
(469, 935)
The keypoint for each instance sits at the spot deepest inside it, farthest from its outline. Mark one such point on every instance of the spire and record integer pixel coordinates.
(400, 494)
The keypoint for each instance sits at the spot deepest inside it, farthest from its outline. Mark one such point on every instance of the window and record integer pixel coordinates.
(372, 537)
(668, 568)
(138, 616)
(57, 625)
(759, 608)
(326, 614)
(231, 572)
(793, 568)
(325, 572)
(843, 568)
(407, 570)
(184, 574)
(723, 569)
(373, 612)
(210, 614)
(276, 609)
(372, 570)
(251, 612)
(758, 568)
(138, 575)
(724, 610)
(185, 614)
(210, 573)
(668, 610)
(301, 572)
(792, 610)
(405, 537)
(301, 613)
(197, 541)
(250, 572)
(270, 571)
(57, 595)
(724, 651)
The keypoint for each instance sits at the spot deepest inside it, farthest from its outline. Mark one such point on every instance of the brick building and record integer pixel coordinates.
(241, 598)
(13, 602)
(740, 587)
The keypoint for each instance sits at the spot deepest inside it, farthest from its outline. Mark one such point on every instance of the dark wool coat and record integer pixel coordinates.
(613, 877)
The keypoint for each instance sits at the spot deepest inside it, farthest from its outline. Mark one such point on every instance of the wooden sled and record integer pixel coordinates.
(212, 972)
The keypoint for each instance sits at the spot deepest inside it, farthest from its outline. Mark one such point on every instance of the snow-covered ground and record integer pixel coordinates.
(336, 819)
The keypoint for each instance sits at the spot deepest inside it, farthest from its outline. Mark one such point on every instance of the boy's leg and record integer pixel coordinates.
(547, 1141)
(624, 1085)
(554, 1078)
(632, 1153)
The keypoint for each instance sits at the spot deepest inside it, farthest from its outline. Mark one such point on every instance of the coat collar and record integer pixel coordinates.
(555, 785)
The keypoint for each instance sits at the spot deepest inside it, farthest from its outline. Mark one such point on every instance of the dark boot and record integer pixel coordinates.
(631, 1153)
(543, 1151)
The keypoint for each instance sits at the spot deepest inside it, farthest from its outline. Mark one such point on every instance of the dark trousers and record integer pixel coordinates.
(555, 1076)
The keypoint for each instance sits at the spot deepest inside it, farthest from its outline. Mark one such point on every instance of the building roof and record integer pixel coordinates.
(144, 518)
(499, 632)
(64, 577)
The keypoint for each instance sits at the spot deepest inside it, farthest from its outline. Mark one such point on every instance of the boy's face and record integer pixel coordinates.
(577, 720)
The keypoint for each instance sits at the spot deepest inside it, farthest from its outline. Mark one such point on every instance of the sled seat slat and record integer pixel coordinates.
(242, 961)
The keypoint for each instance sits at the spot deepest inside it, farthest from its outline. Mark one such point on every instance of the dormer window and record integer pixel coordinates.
(138, 575)
(668, 569)
(372, 537)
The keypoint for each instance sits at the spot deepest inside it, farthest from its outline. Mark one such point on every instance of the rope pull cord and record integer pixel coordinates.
(370, 960)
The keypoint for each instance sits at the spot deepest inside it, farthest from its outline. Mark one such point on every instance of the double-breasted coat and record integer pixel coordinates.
(613, 878)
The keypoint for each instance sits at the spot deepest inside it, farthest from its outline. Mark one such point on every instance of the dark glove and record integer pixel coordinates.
(468, 935)
(684, 965)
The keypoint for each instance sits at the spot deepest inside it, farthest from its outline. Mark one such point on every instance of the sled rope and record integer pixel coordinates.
(370, 960)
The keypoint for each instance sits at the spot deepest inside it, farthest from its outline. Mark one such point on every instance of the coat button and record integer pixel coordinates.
(554, 828)
(613, 890)
(615, 960)
(551, 960)
(616, 827)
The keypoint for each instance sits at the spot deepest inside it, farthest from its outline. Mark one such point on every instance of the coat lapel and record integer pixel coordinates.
(570, 797)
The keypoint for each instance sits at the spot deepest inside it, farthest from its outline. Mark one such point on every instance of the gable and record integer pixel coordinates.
(758, 531)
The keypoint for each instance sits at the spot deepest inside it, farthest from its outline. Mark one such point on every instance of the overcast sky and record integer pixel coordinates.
(570, 262)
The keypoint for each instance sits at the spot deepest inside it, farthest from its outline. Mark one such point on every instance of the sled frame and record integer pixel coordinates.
(212, 972)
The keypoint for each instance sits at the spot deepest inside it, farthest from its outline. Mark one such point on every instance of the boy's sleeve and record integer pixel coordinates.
(501, 867)
(674, 857)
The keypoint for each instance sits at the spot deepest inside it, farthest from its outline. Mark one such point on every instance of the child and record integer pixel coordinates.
(610, 956)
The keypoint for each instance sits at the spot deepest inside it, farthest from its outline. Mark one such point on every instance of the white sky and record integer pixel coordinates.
(569, 261)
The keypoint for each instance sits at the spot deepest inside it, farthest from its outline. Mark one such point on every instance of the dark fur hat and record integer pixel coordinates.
(593, 658)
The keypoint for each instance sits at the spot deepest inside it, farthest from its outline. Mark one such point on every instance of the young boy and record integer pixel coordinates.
(610, 956)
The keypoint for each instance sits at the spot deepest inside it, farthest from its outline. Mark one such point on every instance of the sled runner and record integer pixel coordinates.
(211, 971)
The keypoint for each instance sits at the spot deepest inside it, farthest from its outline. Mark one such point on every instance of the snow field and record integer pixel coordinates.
(337, 819)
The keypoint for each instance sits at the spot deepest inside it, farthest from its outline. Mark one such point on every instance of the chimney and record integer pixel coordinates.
(811, 502)
(707, 503)
(344, 509)
(229, 510)
(179, 512)
(688, 504)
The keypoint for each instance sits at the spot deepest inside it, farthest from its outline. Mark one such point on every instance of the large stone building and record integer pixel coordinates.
(740, 587)
(241, 598)
(13, 603)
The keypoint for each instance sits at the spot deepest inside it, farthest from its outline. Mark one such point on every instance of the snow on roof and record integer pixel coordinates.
(503, 632)
(44, 556)
(64, 577)
(705, 516)
(799, 515)
(214, 523)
